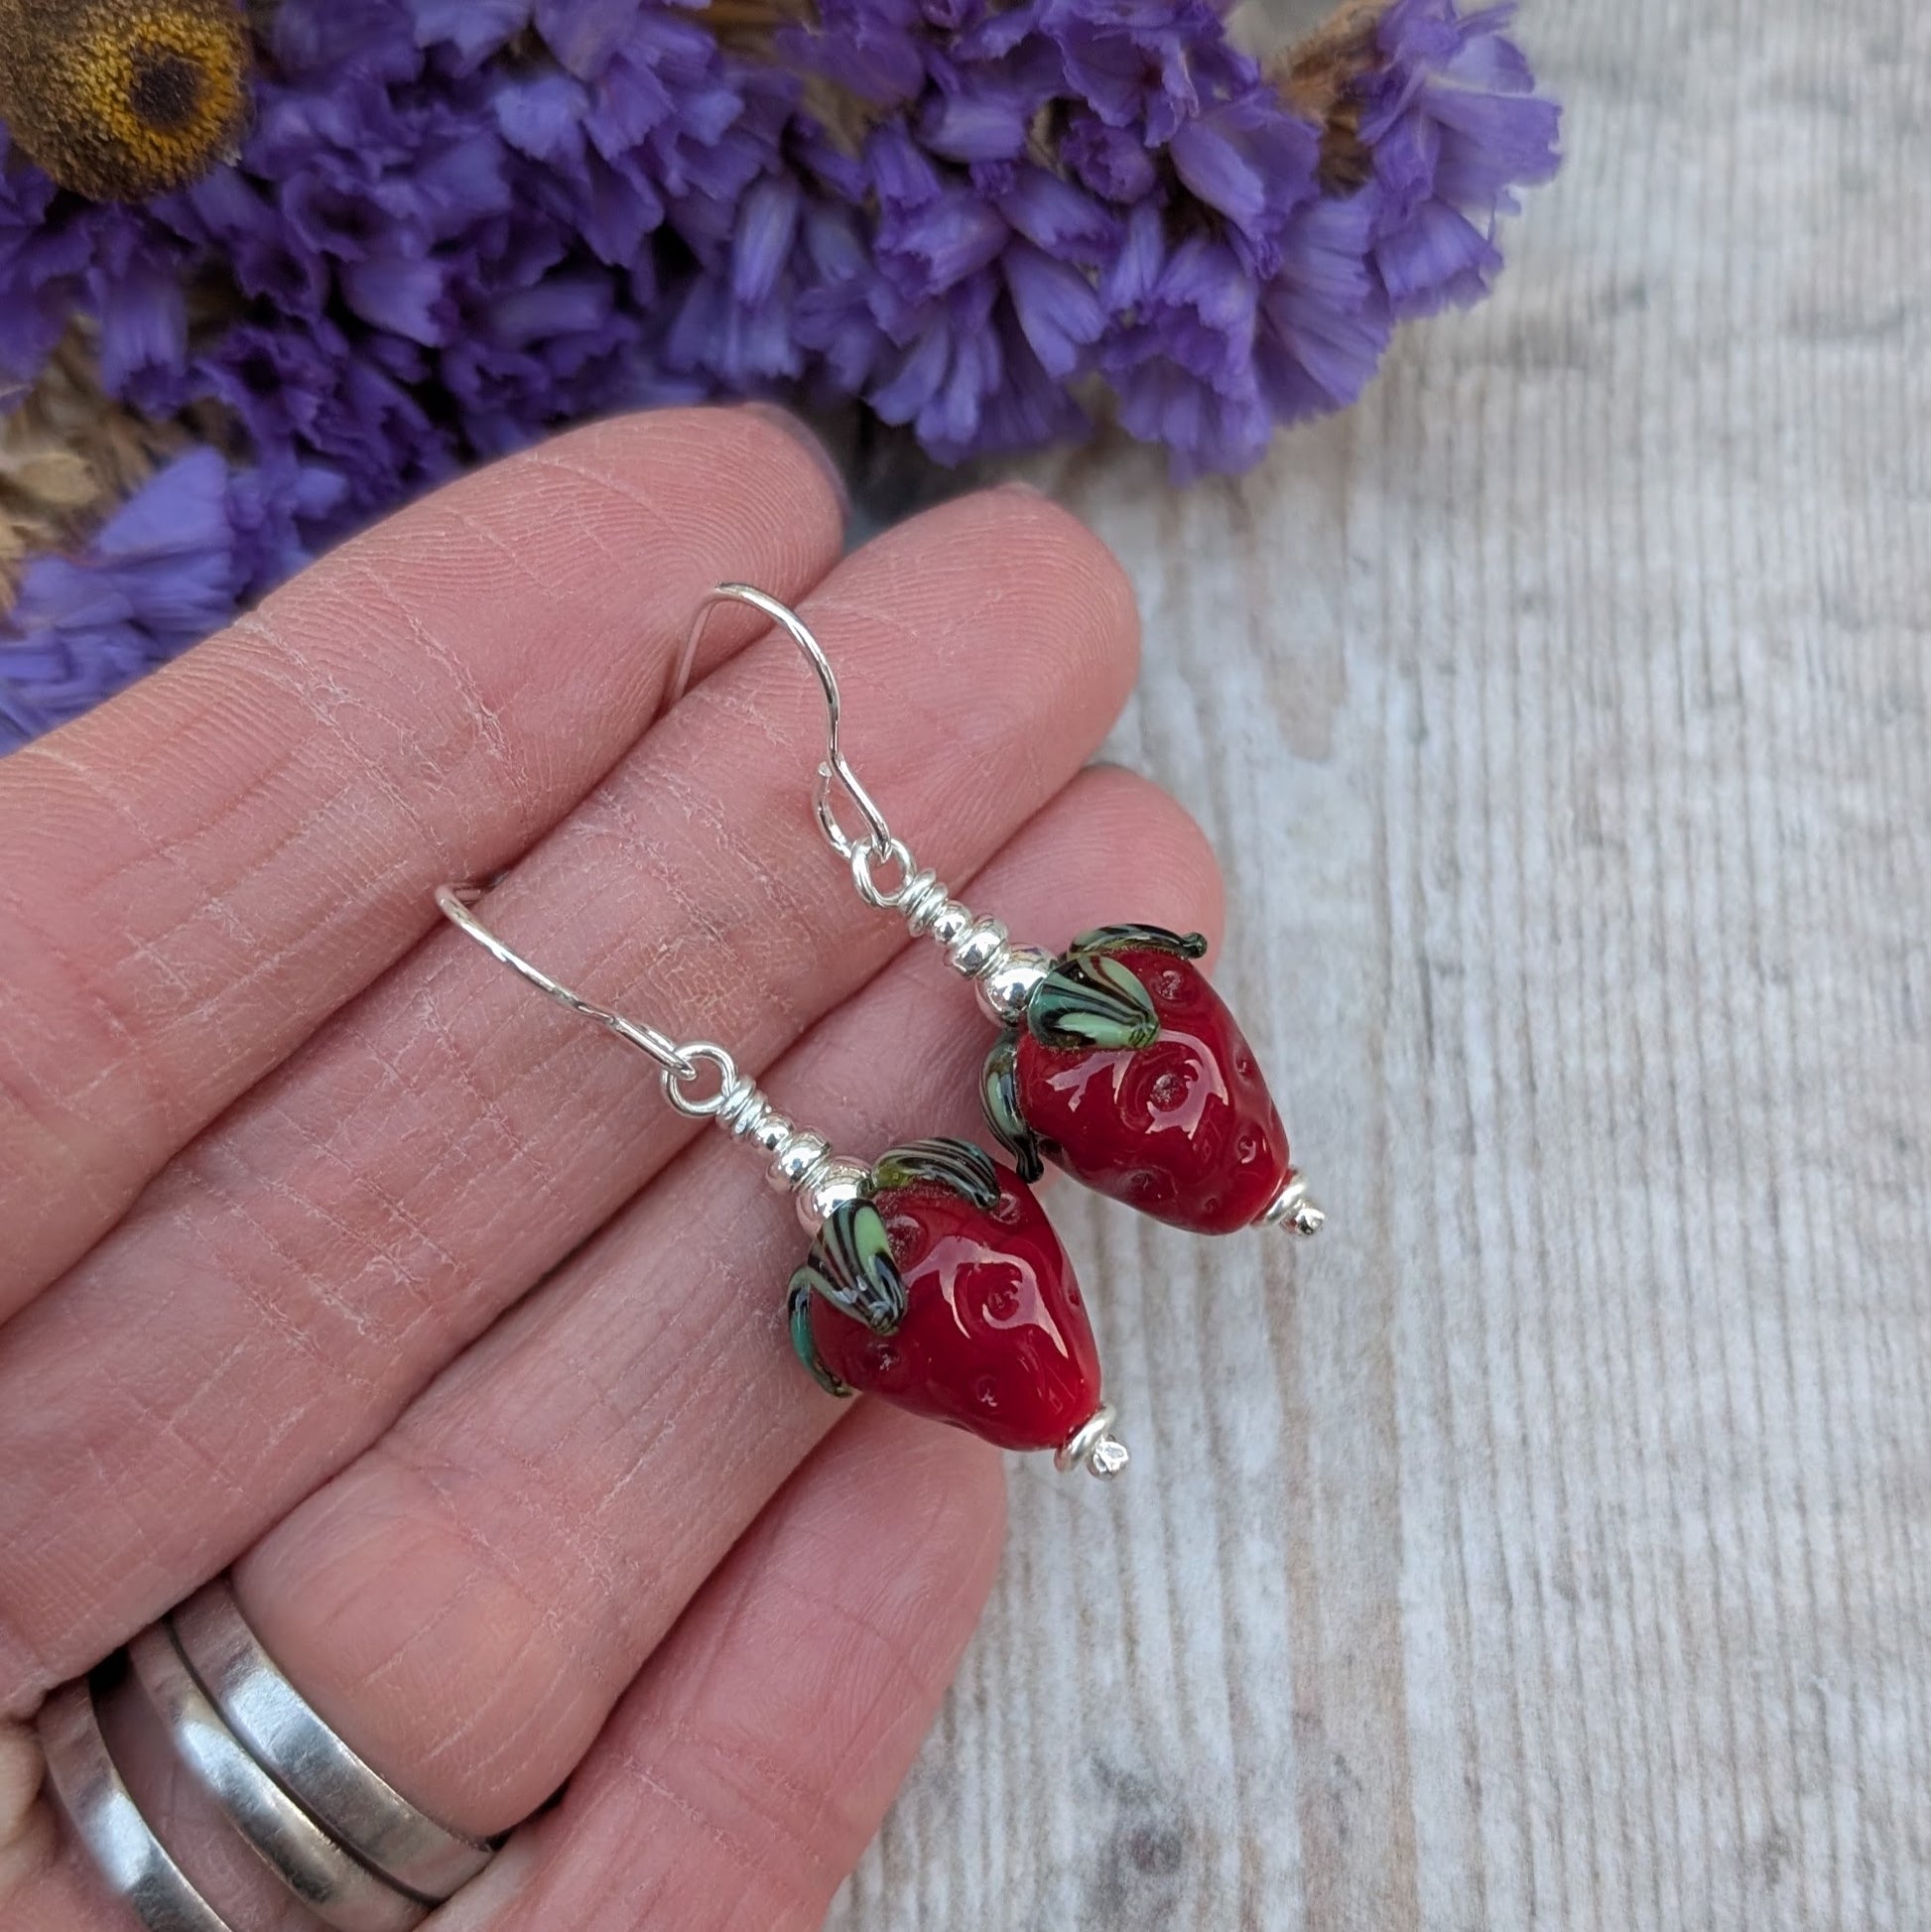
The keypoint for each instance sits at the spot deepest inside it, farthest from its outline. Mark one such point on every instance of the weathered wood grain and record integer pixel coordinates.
(1550, 1543)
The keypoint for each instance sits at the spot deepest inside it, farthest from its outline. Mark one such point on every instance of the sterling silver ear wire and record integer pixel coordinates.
(1117, 1059)
(1002, 975)
(802, 1162)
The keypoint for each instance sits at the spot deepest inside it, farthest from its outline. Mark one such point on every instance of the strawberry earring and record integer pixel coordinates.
(934, 1278)
(1117, 1059)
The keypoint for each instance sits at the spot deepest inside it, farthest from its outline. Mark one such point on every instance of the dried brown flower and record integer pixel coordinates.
(1315, 77)
(70, 455)
(121, 99)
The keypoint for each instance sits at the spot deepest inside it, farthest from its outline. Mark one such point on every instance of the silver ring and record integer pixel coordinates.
(322, 1773)
(103, 1811)
(339, 1889)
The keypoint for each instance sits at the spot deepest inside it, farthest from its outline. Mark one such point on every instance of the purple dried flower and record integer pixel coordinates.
(59, 255)
(1142, 63)
(457, 223)
(1184, 366)
(161, 574)
(1453, 127)
(1250, 160)
(1324, 321)
(876, 50)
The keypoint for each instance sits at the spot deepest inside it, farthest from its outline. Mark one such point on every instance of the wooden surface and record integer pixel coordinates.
(1550, 1543)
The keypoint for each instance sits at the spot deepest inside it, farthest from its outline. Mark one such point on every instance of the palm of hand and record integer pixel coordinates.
(335, 1254)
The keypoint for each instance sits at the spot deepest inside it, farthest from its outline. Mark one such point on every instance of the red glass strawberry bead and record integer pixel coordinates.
(1128, 1071)
(947, 1292)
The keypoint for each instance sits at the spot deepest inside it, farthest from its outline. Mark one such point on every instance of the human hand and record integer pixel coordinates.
(335, 1253)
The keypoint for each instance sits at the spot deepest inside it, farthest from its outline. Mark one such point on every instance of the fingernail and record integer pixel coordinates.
(1019, 487)
(808, 439)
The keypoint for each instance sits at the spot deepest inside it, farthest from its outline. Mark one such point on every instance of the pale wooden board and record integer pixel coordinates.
(1548, 1544)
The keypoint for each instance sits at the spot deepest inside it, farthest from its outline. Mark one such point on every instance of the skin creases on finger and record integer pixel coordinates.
(741, 1777)
(293, 1276)
(194, 876)
(467, 1601)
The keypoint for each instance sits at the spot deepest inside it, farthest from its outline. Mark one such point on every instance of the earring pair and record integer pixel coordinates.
(934, 1277)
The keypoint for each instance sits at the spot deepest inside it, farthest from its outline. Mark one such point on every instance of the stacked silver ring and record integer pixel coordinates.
(345, 1843)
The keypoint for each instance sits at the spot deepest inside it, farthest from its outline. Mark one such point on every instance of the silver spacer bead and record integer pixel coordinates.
(769, 1133)
(1006, 986)
(837, 1180)
(1095, 1447)
(948, 922)
(921, 898)
(1005, 977)
(796, 1157)
(1293, 1209)
(977, 948)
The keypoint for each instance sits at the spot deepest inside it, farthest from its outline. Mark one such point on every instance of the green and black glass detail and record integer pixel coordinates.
(798, 1314)
(999, 1092)
(1156, 939)
(849, 1265)
(956, 1164)
(849, 1262)
(1091, 999)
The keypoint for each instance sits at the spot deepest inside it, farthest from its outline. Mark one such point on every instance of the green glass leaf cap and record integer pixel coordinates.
(999, 1095)
(1117, 938)
(956, 1164)
(1089, 999)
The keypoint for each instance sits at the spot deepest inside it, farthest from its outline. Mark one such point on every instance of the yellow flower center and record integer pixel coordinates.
(121, 99)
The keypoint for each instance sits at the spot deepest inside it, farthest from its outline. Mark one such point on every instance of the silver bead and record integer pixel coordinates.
(948, 922)
(839, 1179)
(1293, 1209)
(769, 1133)
(1004, 987)
(1094, 1448)
(795, 1160)
(976, 948)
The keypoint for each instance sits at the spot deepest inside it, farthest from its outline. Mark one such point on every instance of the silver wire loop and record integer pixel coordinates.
(703, 1106)
(454, 902)
(836, 770)
(885, 898)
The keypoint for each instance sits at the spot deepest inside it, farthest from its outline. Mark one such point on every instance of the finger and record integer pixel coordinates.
(314, 1258)
(469, 1600)
(466, 1601)
(192, 878)
(741, 1778)
(756, 1755)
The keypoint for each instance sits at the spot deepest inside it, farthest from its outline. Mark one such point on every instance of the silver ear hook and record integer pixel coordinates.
(455, 903)
(835, 769)
(802, 1162)
(1003, 975)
